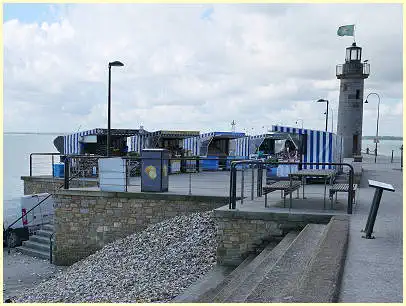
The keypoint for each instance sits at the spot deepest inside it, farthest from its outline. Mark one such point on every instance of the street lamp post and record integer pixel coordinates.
(377, 121)
(322, 100)
(332, 119)
(111, 64)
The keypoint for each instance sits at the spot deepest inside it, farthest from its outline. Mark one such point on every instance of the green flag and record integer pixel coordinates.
(347, 30)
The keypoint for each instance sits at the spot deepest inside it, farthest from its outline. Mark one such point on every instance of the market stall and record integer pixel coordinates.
(94, 142)
(215, 146)
(172, 141)
(315, 146)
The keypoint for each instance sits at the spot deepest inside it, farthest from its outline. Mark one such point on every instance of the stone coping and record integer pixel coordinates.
(280, 214)
(142, 195)
(49, 178)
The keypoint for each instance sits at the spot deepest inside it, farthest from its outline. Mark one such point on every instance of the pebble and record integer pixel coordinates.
(154, 265)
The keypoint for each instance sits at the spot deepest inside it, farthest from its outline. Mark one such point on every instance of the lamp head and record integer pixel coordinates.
(116, 64)
(321, 100)
(366, 101)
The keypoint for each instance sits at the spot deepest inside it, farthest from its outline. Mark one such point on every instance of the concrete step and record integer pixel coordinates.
(241, 293)
(204, 284)
(36, 246)
(44, 233)
(321, 281)
(48, 227)
(289, 268)
(273, 250)
(210, 295)
(39, 239)
(32, 252)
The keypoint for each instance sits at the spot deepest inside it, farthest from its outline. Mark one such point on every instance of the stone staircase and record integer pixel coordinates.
(38, 244)
(294, 270)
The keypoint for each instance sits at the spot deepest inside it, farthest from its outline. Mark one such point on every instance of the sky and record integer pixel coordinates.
(194, 66)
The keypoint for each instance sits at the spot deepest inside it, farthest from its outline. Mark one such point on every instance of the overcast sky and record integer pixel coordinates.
(194, 67)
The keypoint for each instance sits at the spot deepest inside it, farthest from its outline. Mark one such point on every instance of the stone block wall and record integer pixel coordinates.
(49, 184)
(85, 221)
(239, 232)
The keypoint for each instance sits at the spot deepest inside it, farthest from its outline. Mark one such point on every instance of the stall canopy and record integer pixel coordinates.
(245, 146)
(199, 146)
(153, 139)
(73, 143)
(319, 146)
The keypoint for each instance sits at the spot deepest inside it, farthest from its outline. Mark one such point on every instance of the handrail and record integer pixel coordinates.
(233, 180)
(27, 212)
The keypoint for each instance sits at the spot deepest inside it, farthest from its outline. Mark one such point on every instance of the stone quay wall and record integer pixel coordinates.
(85, 221)
(241, 232)
(49, 184)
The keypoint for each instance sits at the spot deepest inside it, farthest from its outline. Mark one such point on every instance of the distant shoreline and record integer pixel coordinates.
(383, 137)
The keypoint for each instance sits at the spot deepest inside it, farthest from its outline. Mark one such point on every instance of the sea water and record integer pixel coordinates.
(16, 163)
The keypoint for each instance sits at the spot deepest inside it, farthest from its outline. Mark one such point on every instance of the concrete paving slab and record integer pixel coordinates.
(373, 270)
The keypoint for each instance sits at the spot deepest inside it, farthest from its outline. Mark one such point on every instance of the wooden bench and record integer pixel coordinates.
(336, 188)
(286, 187)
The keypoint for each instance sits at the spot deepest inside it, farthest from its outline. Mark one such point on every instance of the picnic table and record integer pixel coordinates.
(326, 174)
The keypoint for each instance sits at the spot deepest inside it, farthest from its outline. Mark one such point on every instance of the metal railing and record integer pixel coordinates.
(52, 155)
(190, 177)
(9, 228)
(260, 165)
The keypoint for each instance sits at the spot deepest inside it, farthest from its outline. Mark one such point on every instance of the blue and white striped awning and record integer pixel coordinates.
(321, 146)
(138, 142)
(72, 144)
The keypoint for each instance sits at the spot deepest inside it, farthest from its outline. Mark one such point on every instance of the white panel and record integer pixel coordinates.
(112, 174)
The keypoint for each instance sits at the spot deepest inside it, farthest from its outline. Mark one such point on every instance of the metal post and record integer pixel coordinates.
(198, 164)
(350, 191)
(370, 211)
(391, 159)
(252, 183)
(242, 185)
(31, 164)
(109, 116)
(234, 187)
(66, 173)
(374, 211)
(326, 115)
(190, 183)
(401, 157)
(53, 174)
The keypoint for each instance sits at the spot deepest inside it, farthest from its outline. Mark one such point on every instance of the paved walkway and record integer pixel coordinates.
(373, 268)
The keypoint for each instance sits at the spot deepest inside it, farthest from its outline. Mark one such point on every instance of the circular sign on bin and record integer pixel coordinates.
(151, 172)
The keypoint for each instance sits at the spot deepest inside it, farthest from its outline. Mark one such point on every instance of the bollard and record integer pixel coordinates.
(391, 159)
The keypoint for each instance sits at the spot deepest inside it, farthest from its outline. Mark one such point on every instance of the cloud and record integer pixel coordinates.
(196, 67)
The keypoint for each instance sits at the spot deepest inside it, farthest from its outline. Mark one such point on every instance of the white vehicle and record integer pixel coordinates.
(31, 221)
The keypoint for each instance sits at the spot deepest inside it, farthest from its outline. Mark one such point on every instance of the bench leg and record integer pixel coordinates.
(331, 200)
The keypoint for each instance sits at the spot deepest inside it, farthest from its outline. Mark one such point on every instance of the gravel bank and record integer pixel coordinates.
(154, 265)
